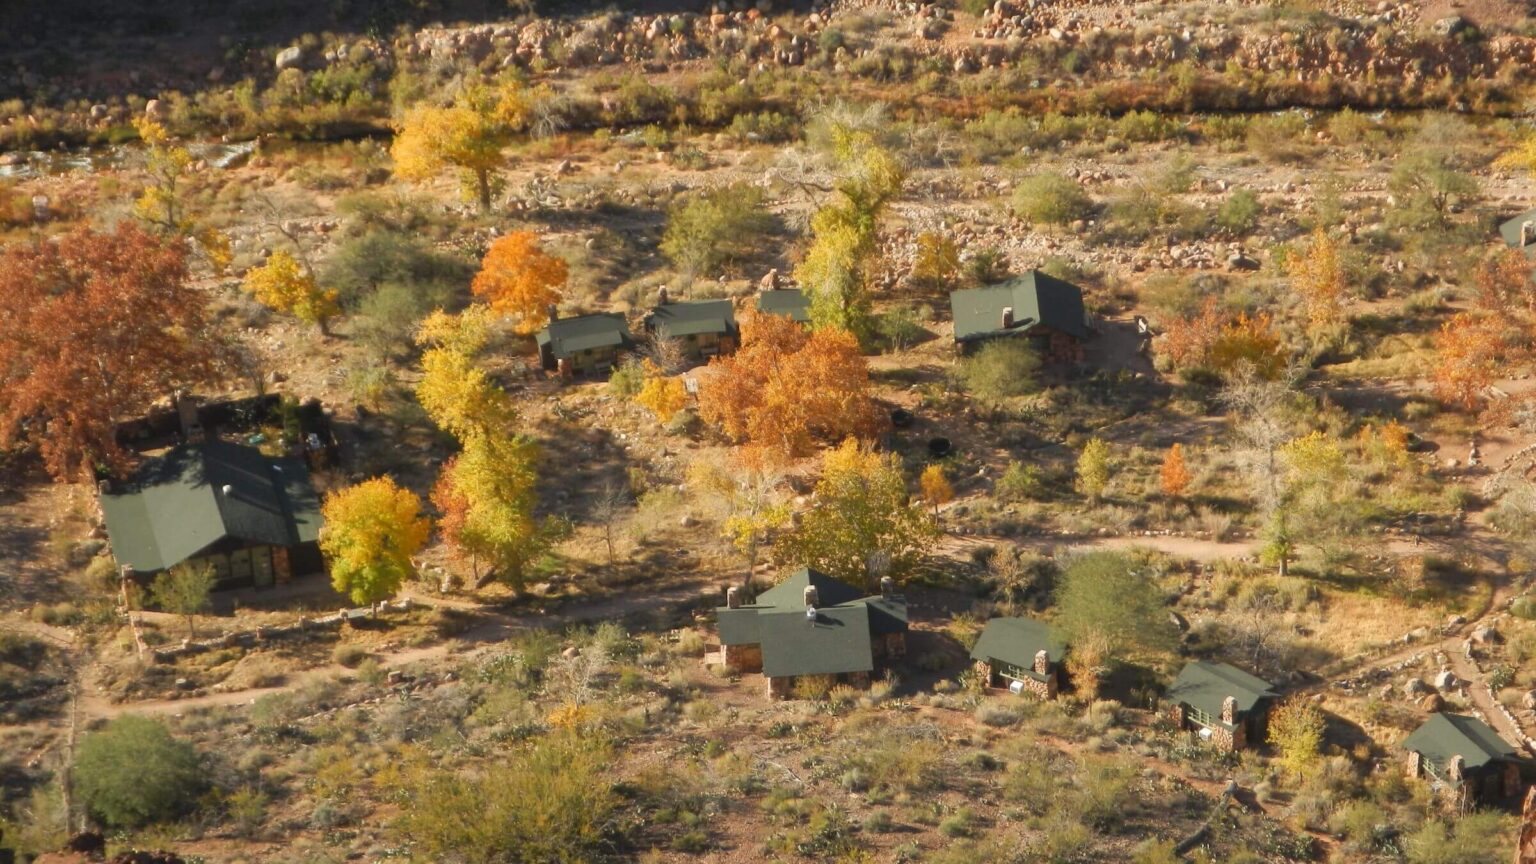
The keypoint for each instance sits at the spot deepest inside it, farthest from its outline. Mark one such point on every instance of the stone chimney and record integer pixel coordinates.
(811, 600)
(186, 415)
(1229, 710)
(1042, 662)
(553, 310)
(887, 587)
(1455, 768)
(733, 597)
(662, 297)
(1007, 317)
(1525, 232)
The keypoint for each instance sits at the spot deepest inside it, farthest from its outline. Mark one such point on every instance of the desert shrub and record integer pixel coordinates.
(958, 824)
(626, 379)
(1000, 370)
(549, 802)
(134, 772)
(1146, 126)
(247, 809)
(1239, 214)
(1051, 199)
(1020, 482)
(813, 687)
(997, 715)
(1277, 137)
(986, 266)
(363, 264)
(716, 227)
(349, 656)
(1478, 838)
(763, 126)
(386, 317)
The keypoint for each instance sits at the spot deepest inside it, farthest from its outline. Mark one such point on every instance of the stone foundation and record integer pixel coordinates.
(783, 687)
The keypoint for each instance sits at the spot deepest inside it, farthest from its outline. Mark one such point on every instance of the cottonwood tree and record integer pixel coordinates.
(1174, 476)
(835, 270)
(1093, 469)
(1504, 283)
(1318, 277)
(863, 521)
(372, 530)
(935, 486)
(184, 590)
(455, 390)
(755, 502)
(161, 206)
(1296, 729)
(1216, 339)
(283, 284)
(1471, 350)
(715, 227)
(93, 328)
(785, 388)
(661, 394)
(520, 280)
(467, 137)
(1263, 415)
(1107, 608)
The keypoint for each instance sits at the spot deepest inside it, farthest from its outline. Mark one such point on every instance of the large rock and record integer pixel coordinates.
(289, 58)
(1446, 680)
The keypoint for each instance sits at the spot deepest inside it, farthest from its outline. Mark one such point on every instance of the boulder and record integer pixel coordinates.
(289, 58)
(1446, 680)
(1485, 636)
(1414, 687)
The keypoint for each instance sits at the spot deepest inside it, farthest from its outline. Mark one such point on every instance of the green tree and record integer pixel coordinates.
(1093, 468)
(1107, 608)
(845, 230)
(1476, 838)
(183, 590)
(716, 227)
(1000, 370)
(134, 772)
(1051, 199)
(864, 525)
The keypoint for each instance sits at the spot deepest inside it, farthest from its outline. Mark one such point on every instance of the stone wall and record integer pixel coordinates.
(1046, 689)
(888, 648)
(742, 658)
(783, 686)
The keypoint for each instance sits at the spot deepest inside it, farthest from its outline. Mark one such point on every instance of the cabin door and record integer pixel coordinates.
(261, 567)
(240, 567)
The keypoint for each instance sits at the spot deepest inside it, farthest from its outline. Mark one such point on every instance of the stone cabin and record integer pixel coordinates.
(254, 519)
(1021, 654)
(584, 344)
(701, 328)
(1464, 758)
(1222, 704)
(789, 302)
(1520, 233)
(1036, 306)
(813, 625)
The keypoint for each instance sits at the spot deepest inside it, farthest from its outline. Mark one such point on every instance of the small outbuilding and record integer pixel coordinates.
(1036, 306)
(1465, 758)
(1021, 654)
(789, 302)
(583, 344)
(1520, 232)
(701, 328)
(813, 625)
(254, 519)
(1222, 703)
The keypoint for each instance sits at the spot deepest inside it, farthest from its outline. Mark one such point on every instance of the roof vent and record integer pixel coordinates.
(810, 614)
(228, 490)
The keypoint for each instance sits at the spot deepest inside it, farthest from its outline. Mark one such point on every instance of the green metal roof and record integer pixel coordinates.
(176, 505)
(1445, 735)
(1036, 298)
(790, 302)
(1206, 685)
(567, 336)
(836, 641)
(1510, 230)
(671, 320)
(1016, 641)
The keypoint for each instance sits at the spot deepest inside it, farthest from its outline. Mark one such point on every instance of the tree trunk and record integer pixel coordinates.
(483, 182)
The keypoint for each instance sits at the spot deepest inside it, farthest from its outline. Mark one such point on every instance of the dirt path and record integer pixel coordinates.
(498, 628)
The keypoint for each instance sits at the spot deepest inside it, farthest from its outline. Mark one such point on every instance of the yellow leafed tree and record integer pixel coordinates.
(1319, 278)
(661, 395)
(487, 497)
(456, 392)
(520, 280)
(371, 531)
(284, 285)
(936, 489)
(160, 205)
(467, 136)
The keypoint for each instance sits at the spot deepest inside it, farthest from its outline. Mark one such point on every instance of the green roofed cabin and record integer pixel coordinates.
(812, 625)
(1224, 704)
(789, 302)
(1463, 757)
(1037, 306)
(1520, 233)
(1021, 654)
(701, 328)
(583, 345)
(255, 519)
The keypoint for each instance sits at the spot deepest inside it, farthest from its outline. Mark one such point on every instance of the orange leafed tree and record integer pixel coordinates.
(1470, 351)
(520, 280)
(1175, 475)
(1215, 339)
(94, 328)
(1187, 340)
(784, 388)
